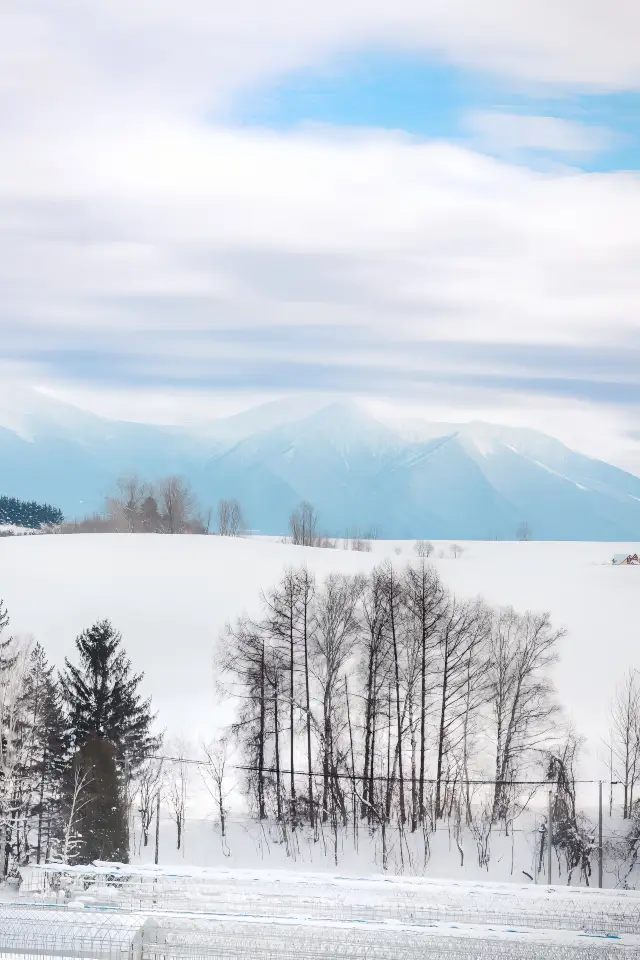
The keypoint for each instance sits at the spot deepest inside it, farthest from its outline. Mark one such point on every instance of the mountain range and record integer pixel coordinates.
(406, 480)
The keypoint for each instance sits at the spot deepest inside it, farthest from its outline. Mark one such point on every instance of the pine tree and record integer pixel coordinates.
(102, 700)
(98, 820)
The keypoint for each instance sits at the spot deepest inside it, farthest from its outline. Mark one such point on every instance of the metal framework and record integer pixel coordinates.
(59, 932)
(413, 900)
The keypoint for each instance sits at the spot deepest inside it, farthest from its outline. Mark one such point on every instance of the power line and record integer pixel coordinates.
(349, 776)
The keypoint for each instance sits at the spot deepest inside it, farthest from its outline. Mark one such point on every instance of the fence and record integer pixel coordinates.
(90, 935)
(281, 895)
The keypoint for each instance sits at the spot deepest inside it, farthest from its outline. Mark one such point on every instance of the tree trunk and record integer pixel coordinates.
(308, 709)
(403, 815)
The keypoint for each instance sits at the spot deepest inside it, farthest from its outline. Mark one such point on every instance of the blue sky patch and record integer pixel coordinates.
(434, 100)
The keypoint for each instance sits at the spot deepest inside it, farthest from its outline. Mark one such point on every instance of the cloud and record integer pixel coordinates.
(511, 132)
(136, 228)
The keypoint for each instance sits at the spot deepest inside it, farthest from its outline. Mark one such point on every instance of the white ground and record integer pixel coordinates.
(170, 598)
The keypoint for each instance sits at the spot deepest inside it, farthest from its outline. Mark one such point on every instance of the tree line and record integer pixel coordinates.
(387, 700)
(69, 743)
(28, 513)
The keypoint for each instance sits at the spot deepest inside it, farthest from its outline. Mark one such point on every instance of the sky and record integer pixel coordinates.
(432, 206)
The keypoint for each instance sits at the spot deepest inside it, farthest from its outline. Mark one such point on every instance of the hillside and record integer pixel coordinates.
(171, 596)
(458, 481)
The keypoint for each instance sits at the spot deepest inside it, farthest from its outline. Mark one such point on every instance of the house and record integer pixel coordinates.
(628, 560)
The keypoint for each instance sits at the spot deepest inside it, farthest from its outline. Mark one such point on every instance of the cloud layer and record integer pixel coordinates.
(144, 242)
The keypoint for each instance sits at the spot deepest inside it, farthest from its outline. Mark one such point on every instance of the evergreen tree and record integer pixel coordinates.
(28, 514)
(98, 821)
(101, 697)
(7, 658)
(48, 753)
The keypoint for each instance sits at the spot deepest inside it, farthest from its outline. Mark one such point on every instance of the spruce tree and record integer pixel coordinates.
(98, 827)
(102, 700)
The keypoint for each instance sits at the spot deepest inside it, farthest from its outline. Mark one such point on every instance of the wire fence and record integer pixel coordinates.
(60, 933)
(312, 897)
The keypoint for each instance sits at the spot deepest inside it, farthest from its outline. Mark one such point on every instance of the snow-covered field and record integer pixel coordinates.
(170, 598)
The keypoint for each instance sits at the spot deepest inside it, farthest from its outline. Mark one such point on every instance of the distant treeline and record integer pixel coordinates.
(29, 514)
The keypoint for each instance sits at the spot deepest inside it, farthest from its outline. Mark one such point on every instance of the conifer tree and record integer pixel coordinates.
(102, 699)
(48, 753)
(7, 657)
(99, 820)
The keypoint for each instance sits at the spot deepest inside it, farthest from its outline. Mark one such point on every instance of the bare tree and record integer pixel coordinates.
(423, 548)
(82, 779)
(334, 641)
(242, 661)
(177, 783)
(13, 745)
(150, 777)
(523, 532)
(460, 665)
(357, 541)
(426, 601)
(303, 525)
(456, 550)
(124, 508)
(176, 504)
(523, 647)
(625, 736)
(214, 775)
(231, 522)
(375, 668)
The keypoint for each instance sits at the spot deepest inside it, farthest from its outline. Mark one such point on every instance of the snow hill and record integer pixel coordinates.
(460, 481)
(170, 598)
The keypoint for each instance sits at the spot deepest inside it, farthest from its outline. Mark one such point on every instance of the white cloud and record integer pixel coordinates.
(130, 217)
(512, 132)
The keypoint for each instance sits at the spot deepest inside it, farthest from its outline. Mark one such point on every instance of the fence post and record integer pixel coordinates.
(549, 837)
(600, 851)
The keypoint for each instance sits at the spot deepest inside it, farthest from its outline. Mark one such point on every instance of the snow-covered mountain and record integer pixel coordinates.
(443, 481)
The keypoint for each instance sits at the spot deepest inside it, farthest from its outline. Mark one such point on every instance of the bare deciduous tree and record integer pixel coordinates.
(177, 783)
(214, 775)
(176, 504)
(625, 736)
(423, 548)
(124, 508)
(523, 532)
(334, 641)
(231, 521)
(303, 525)
(149, 777)
(520, 693)
(82, 779)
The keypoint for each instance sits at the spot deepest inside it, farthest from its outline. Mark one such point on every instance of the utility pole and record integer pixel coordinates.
(157, 829)
(549, 837)
(600, 852)
(126, 800)
(610, 781)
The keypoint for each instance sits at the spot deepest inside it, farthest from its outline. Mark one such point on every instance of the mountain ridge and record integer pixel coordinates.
(463, 481)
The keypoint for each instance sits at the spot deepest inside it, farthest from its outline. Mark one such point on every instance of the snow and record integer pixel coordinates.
(171, 596)
(430, 480)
